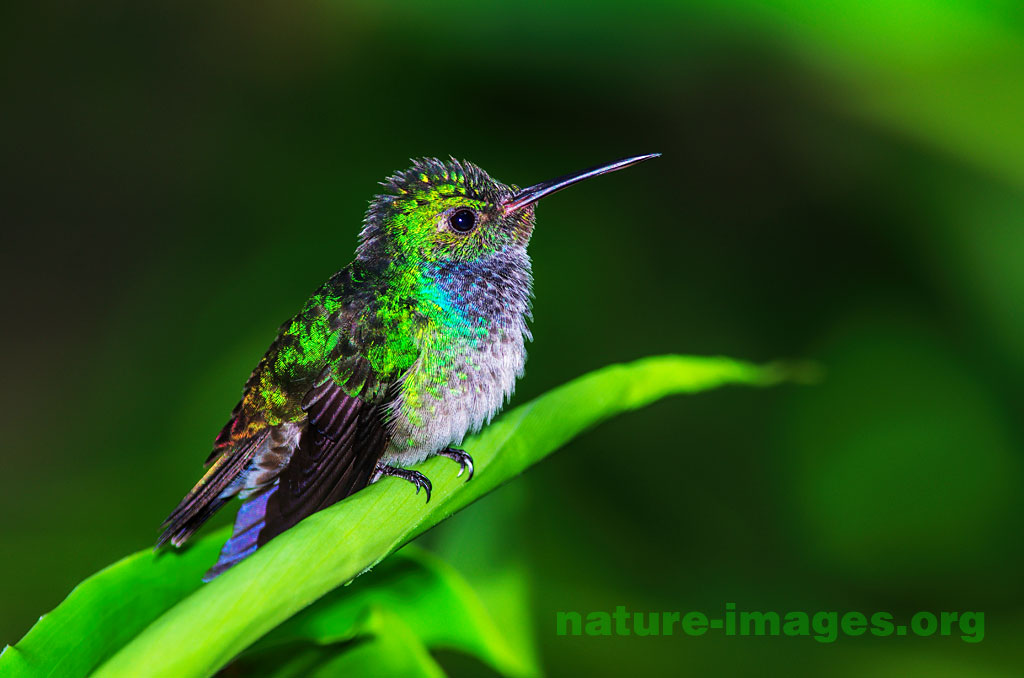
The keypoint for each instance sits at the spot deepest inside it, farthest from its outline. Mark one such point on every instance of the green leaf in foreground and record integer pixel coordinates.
(108, 609)
(391, 649)
(211, 624)
(434, 602)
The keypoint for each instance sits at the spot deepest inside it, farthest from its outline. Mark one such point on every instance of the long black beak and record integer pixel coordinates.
(528, 196)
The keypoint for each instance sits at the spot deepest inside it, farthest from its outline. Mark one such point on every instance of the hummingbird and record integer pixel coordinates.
(400, 354)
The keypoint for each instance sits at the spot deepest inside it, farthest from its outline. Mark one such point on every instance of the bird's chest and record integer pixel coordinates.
(456, 387)
(471, 352)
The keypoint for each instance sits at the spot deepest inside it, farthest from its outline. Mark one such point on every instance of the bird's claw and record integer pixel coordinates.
(414, 477)
(461, 458)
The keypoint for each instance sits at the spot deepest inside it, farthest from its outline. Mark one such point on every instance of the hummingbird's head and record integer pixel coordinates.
(439, 211)
(443, 211)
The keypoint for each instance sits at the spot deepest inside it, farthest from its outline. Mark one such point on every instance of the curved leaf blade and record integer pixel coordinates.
(109, 609)
(433, 600)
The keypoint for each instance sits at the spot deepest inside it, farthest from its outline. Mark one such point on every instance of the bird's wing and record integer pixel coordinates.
(316, 378)
(334, 457)
(337, 452)
(344, 433)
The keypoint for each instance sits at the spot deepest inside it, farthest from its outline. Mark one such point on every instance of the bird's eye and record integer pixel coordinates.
(462, 221)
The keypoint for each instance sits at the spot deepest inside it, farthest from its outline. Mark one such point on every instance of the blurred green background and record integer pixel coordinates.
(841, 181)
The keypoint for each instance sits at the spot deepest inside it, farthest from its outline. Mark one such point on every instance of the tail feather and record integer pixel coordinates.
(208, 495)
(243, 542)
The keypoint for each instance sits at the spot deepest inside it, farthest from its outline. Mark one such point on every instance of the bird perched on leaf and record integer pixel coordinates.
(393, 360)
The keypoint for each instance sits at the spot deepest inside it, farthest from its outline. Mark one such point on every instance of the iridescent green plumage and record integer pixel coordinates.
(394, 359)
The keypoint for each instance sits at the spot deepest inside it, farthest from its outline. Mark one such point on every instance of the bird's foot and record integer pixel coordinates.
(464, 461)
(414, 477)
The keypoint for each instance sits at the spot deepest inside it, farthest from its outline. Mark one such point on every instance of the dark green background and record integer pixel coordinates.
(841, 181)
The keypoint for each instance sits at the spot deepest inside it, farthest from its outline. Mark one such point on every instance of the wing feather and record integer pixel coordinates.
(309, 430)
(336, 456)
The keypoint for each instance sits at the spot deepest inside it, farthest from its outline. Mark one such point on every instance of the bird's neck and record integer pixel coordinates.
(495, 289)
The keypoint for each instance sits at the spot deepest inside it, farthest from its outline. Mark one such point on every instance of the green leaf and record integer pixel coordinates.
(108, 609)
(383, 645)
(299, 662)
(214, 623)
(434, 601)
(487, 548)
(392, 649)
